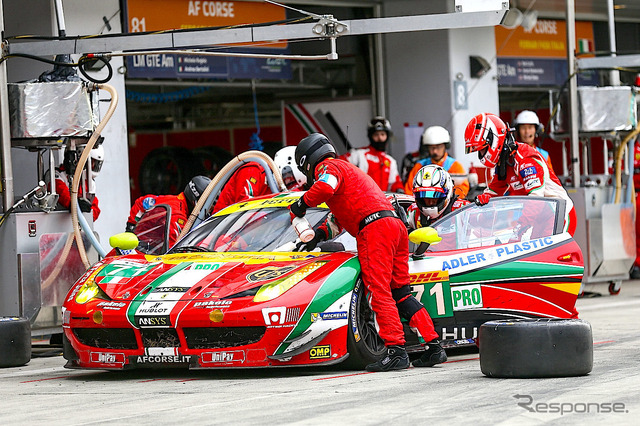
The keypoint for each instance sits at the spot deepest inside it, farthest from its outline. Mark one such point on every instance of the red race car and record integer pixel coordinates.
(235, 293)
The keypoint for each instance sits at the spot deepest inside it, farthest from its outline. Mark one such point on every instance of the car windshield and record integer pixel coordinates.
(254, 230)
(500, 221)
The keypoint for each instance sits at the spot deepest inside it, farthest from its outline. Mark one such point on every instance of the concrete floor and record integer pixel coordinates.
(43, 392)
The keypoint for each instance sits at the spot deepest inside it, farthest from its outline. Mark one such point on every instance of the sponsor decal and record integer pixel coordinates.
(154, 308)
(274, 316)
(223, 357)
(206, 266)
(353, 309)
(107, 358)
(528, 171)
(320, 352)
(516, 185)
(171, 289)
(162, 359)
(269, 273)
(505, 252)
(459, 333)
(213, 303)
(532, 183)
(325, 316)
(116, 306)
(155, 321)
(428, 277)
(466, 297)
(469, 259)
(279, 317)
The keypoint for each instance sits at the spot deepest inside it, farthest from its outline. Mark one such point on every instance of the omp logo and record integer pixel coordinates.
(268, 273)
(320, 352)
(274, 316)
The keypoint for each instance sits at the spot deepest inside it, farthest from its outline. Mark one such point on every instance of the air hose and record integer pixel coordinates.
(75, 183)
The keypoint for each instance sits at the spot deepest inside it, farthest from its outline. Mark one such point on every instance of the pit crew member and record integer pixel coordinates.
(181, 205)
(519, 168)
(358, 205)
(373, 160)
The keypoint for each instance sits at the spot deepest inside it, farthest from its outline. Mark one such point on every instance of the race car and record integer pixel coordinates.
(234, 292)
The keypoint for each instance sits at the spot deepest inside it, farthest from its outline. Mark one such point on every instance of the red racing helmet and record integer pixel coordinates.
(485, 134)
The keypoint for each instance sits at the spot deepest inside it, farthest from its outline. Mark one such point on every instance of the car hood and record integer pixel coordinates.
(199, 275)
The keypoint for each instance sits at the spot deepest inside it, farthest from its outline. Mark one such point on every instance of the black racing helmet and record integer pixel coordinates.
(310, 151)
(195, 188)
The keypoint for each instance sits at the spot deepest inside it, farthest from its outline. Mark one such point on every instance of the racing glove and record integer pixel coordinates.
(129, 227)
(298, 209)
(311, 245)
(482, 199)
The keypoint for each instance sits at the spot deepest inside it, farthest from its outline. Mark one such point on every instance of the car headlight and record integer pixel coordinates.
(278, 287)
(89, 291)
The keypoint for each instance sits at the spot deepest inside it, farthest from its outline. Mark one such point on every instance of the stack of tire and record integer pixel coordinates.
(526, 348)
(15, 341)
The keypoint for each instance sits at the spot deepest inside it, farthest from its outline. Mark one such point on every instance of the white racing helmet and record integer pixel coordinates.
(529, 117)
(433, 190)
(285, 159)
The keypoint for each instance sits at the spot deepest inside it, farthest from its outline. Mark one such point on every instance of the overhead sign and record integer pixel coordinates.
(162, 15)
(537, 57)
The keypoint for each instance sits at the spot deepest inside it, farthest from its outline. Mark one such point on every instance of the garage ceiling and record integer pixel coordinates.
(230, 103)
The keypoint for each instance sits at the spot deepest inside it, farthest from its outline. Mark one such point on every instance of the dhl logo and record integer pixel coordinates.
(428, 277)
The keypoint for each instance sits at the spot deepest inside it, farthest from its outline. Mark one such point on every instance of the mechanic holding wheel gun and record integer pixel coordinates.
(358, 205)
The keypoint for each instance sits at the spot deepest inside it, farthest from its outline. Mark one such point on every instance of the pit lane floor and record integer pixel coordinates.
(43, 392)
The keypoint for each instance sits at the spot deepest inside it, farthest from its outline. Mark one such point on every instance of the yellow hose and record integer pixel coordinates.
(239, 158)
(75, 183)
(618, 162)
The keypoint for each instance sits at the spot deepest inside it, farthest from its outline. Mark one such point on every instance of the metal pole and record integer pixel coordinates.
(573, 93)
(614, 76)
(5, 133)
(381, 101)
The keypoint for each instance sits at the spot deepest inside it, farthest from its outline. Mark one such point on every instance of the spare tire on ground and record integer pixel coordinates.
(15, 341)
(524, 348)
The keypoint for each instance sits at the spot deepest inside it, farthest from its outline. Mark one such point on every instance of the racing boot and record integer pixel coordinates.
(396, 358)
(434, 354)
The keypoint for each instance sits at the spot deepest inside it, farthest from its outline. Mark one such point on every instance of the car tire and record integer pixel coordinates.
(524, 348)
(212, 158)
(167, 170)
(15, 341)
(363, 342)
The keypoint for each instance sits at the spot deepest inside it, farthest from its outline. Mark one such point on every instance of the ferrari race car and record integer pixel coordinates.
(234, 292)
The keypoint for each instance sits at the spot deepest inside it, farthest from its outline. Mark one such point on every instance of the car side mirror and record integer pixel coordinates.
(124, 241)
(424, 237)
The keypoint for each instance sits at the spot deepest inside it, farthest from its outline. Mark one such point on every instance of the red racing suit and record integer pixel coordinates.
(64, 194)
(530, 175)
(248, 181)
(382, 167)
(383, 245)
(179, 212)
